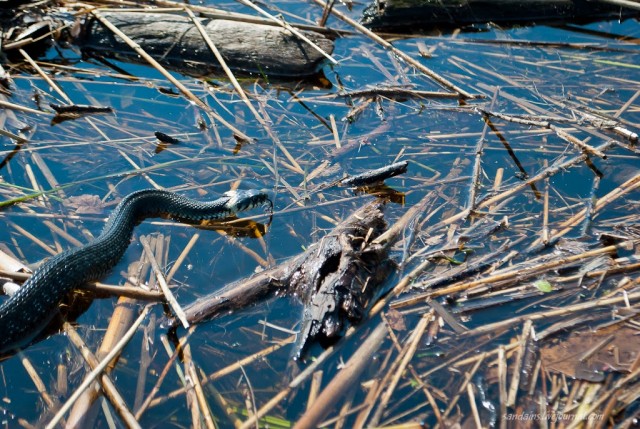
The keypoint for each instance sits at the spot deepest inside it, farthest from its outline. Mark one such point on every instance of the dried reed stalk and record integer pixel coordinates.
(171, 299)
(186, 91)
(281, 22)
(407, 355)
(407, 58)
(346, 377)
(109, 388)
(97, 371)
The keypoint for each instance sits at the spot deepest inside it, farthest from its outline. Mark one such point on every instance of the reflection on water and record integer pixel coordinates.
(321, 136)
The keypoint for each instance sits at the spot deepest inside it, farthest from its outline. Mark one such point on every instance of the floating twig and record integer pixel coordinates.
(163, 374)
(37, 381)
(566, 226)
(515, 377)
(220, 373)
(194, 382)
(351, 371)
(397, 93)
(109, 388)
(467, 380)
(171, 300)
(577, 142)
(519, 273)
(407, 355)
(13, 106)
(593, 305)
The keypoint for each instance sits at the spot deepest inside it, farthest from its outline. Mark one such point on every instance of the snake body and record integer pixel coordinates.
(25, 314)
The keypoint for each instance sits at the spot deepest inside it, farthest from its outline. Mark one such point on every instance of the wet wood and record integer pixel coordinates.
(336, 279)
(376, 176)
(246, 47)
(79, 109)
(428, 14)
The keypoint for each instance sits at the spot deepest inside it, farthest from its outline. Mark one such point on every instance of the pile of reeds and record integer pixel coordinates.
(516, 294)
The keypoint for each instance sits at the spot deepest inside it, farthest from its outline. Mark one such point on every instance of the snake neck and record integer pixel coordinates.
(148, 203)
(73, 268)
(28, 311)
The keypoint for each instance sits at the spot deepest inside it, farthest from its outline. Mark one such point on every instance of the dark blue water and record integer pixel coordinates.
(437, 136)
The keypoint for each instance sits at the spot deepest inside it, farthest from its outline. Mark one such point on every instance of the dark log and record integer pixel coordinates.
(340, 277)
(428, 14)
(376, 176)
(75, 111)
(164, 138)
(176, 43)
(337, 279)
(79, 109)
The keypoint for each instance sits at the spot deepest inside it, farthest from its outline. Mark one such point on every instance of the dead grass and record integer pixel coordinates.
(517, 292)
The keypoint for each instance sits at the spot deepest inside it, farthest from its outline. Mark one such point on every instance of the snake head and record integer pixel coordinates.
(241, 200)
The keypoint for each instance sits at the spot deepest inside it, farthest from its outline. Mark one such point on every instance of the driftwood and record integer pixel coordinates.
(337, 279)
(377, 176)
(427, 14)
(246, 47)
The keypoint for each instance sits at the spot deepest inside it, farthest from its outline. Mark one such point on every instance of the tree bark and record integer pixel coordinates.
(336, 279)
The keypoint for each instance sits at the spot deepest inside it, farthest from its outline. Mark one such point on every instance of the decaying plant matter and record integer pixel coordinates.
(336, 279)
(515, 291)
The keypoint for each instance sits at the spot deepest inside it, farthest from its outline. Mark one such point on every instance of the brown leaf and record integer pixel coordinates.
(570, 356)
(86, 204)
(396, 320)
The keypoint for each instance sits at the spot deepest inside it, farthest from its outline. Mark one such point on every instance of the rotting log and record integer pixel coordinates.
(337, 280)
(246, 47)
(428, 14)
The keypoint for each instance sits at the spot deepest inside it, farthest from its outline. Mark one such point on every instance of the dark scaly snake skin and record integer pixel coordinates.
(27, 312)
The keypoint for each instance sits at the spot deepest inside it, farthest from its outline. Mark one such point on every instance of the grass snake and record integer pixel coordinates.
(26, 313)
